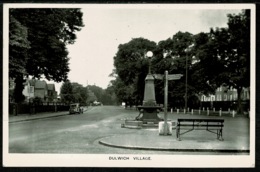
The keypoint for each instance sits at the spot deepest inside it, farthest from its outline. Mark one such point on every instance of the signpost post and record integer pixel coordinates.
(166, 78)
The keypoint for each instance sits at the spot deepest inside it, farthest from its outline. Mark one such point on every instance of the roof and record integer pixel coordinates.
(51, 87)
(40, 84)
(32, 82)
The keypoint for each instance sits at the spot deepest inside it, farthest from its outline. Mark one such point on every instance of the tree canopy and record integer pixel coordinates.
(219, 57)
(38, 39)
(131, 67)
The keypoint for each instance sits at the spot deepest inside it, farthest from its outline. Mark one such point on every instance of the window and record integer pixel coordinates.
(225, 97)
(235, 96)
(220, 97)
(31, 89)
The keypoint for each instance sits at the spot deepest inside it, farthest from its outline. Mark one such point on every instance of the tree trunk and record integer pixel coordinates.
(239, 101)
(18, 90)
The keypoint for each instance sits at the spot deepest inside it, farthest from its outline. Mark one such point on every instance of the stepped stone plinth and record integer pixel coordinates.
(149, 110)
(148, 116)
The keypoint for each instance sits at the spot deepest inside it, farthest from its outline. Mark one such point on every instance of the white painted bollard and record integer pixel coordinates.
(214, 109)
(199, 111)
(184, 111)
(171, 110)
(208, 111)
(203, 109)
(220, 112)
(233, 113)
(192, 111)
(228, 110)
(177, 111)
(188, 110)
(161, 128)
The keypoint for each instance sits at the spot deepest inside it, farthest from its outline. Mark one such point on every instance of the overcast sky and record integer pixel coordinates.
(91, 56)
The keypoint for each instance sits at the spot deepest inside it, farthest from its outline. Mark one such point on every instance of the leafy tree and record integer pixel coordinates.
(207, 64)
(109, 96)
(105, 96)
(38, 39)
(80, 93)
(131, 66)
(98, 91)
(212, 59)
(171, 55)
(224, 54)
(18, 96)
(49, 30)
(18, 47)
(123, 93)
(236, 56)
(66, 92)
(91, 96)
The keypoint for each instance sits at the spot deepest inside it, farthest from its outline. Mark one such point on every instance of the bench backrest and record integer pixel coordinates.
(200, 120)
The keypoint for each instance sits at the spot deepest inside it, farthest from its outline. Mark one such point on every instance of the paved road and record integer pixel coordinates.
(77, 134)
(64, 134)
(70, 133)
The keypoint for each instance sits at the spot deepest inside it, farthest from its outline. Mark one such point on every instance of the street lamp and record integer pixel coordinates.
(186, 84)
(186, 77)
(149, 54)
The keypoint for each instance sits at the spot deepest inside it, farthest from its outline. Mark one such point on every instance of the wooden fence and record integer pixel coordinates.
(29, 108)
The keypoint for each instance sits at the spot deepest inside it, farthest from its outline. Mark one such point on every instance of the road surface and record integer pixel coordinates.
(75, 134)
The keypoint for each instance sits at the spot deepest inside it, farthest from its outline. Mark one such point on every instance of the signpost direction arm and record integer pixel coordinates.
(166, 78)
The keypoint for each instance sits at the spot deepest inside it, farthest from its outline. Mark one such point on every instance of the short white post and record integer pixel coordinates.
(214, 109)
(199, 111)
(208, 111)
(184, 111)
(192, 111)
(203, 109)
(220, 112)
(177, 111)
(228, 110)
(233, 113)
(171, 110)
(188, 110)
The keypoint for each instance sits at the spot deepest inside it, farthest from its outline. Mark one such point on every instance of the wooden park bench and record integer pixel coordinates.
(212, 125)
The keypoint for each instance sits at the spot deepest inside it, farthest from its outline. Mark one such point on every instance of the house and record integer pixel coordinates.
(28, 90)
(52, 93)
(37, 88)
(224, 93)
(41, 90)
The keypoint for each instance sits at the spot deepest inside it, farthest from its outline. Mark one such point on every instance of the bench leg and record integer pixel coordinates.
(219, 135)
(178, 133)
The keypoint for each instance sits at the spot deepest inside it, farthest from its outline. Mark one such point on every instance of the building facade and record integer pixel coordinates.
(224, 93)
(37, 88)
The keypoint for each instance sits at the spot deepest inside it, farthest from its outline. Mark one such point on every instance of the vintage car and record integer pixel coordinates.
(75, 108)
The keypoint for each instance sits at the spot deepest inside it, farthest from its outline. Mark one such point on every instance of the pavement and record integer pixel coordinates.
(30, 117)
(236, 134)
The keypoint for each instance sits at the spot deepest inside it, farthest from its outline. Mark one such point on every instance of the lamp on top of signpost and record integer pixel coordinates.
(149, 54)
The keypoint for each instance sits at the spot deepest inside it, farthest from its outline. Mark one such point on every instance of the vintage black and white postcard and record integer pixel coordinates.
(129, 85)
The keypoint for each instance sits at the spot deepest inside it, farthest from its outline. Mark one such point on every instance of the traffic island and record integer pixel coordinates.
(150, 140)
